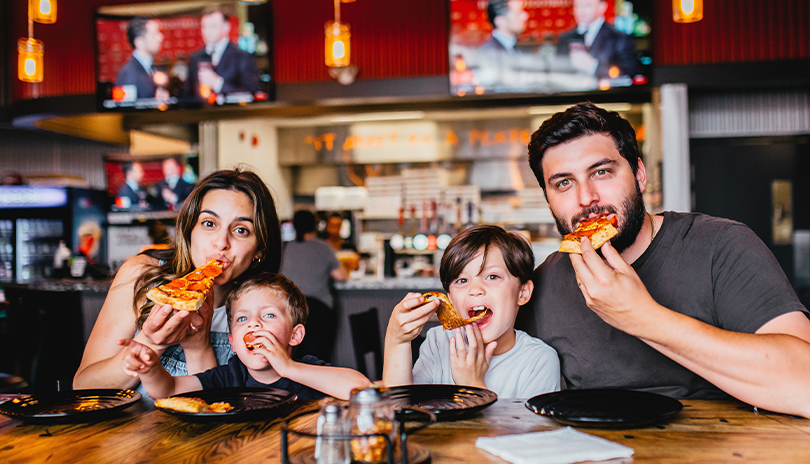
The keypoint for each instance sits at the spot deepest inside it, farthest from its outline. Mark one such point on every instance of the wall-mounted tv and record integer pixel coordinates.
(150, 183)
(183, 54)
(548, 46)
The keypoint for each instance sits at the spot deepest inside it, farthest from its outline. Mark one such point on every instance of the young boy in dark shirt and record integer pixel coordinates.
(272, 307)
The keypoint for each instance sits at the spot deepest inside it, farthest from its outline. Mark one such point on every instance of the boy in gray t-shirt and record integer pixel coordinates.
(485, 269)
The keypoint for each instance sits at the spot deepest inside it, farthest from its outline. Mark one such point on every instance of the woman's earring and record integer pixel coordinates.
(257, 260)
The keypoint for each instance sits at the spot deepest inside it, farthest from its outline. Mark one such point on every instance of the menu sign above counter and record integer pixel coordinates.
(407, 141)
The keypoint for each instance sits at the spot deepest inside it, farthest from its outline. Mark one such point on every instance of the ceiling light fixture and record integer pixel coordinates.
(687, 11)
(337, 48)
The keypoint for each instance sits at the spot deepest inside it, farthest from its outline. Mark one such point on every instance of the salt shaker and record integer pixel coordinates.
(331, 421)
(371, 411)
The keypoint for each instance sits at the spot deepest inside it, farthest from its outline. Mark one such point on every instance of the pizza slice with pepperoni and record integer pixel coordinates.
(447, 315)
(187, 293)
(598, 230)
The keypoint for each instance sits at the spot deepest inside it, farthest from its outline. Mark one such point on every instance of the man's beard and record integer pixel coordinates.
(632, 210)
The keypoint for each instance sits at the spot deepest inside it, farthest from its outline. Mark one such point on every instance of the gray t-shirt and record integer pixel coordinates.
(530, 368)
(714, 270)
(309, 265)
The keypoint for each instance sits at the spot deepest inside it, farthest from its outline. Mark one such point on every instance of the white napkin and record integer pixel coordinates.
(561, 446)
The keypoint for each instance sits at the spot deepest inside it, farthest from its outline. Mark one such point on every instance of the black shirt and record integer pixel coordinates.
(714, 270)
(235, 374)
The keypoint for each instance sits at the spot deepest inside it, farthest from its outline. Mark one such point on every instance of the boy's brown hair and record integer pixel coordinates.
(516, 251)
(282, 287)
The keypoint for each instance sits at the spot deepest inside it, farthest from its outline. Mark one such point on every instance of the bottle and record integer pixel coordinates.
(331, 421)
(371, 411)
(61, 260)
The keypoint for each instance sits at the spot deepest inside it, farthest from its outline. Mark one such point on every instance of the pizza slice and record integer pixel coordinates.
(187, 293)
(598, 230)
(447, 314)
(250, 341)
(191, 405)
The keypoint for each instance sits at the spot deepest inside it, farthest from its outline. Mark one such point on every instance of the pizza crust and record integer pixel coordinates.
(447, 314)
(186, 304)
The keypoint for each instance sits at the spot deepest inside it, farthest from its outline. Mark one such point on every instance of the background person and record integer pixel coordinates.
(173, 188)
(145, 39)
(683, 304)
(229, 216)
(508, 19)
(594, 46)
(131, 192)
(220, 66)
(312, 265)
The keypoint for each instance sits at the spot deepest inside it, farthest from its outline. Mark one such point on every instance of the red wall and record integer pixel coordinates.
(734, 31)
(392, 39)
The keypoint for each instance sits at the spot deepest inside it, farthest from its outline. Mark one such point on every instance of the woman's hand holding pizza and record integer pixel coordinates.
(165, 326)
(613, 290)
(199, 326)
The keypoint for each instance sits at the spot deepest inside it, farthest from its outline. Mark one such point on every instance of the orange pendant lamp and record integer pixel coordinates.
(29, 61)
(30, 51)
(687, 11)
(42, 11)
(337, 44)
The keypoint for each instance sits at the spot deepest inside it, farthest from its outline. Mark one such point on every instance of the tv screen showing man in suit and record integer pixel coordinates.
(548, 46)
(179, 54)
(150, 183)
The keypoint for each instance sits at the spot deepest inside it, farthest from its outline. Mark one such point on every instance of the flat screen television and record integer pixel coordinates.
(548, 46)
(150, 183)
(183, 54)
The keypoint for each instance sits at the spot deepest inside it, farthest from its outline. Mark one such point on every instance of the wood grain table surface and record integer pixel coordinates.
(704, 432)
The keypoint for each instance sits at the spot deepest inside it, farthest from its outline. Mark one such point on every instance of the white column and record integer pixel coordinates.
(208, 148)
(676, 175)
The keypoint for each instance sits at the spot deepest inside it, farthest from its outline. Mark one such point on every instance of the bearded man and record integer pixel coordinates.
(681, 304)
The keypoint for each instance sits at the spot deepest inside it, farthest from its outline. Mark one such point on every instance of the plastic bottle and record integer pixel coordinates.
(61, 256)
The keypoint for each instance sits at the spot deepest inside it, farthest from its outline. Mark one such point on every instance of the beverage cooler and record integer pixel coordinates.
(34, 219)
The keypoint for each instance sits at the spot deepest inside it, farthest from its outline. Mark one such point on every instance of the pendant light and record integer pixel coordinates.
(30, 51)
(687, 11)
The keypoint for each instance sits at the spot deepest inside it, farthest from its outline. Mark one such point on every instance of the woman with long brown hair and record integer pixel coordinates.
(230, 216)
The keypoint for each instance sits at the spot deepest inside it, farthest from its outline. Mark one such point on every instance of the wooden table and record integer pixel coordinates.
(705, 431)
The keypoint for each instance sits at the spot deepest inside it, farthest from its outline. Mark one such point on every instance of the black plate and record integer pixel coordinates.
(70, 406)
(447, 402)
(605, 408)
(248, 404)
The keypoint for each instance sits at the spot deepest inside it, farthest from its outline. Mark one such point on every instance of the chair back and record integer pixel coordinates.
(365, 328)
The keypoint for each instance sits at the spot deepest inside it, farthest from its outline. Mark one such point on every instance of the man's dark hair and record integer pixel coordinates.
(516, 251)
(127, 167)
(136, 28)
(216, 8)
(577, 121)
(304, 223)
(496, 8)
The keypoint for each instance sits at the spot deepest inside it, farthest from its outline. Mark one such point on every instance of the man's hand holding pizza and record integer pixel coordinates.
(613, 290)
